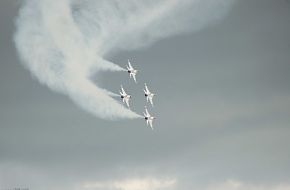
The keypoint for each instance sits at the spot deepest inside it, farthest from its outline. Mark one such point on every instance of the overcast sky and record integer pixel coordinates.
(222, 107)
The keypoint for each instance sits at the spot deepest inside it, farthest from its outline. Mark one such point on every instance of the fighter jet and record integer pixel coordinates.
(149, 96)
(132, 72)
(148, 118)
(125, 97)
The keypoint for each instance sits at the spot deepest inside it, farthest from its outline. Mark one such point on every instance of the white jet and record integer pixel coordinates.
(149, 95)
(132, 72)
(148, 118)
(125, 97)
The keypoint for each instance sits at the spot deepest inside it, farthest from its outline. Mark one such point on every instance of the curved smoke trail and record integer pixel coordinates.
(63, 42)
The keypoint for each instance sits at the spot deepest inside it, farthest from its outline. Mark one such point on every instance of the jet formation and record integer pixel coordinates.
(148, 95)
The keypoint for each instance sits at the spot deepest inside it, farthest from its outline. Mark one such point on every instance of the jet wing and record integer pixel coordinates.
(151, 124)
(146, 88)
(127, 102)
(129, 65)
(123, 91)
(147, 113)
(151, 100)
(134, 77)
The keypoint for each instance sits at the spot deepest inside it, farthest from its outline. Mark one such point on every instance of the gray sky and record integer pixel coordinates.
(222, 107)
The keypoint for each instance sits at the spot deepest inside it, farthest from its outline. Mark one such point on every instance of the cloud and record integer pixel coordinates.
(63, 43)
(132, 184)
(238, 185)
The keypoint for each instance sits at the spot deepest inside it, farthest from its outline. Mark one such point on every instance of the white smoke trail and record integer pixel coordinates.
(110, 25)
(63, 42)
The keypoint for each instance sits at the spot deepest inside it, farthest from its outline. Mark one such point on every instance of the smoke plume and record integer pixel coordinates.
(63, 43)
